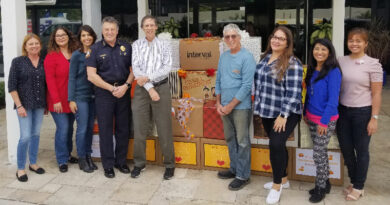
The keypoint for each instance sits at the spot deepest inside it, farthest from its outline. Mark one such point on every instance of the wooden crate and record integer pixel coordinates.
(336, 164)
(187, 152)
(151, 151)
(214, 154)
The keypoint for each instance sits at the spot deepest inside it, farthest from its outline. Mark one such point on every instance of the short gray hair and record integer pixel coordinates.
(110, 19)
(231, 27)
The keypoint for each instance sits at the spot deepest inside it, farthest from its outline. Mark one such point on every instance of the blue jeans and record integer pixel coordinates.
(30, 128)
(85, 117)
(236, 130)
(64, 123)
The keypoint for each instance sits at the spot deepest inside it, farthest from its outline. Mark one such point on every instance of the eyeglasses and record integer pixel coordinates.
(278, 38)
(61, 35)
(227, 37)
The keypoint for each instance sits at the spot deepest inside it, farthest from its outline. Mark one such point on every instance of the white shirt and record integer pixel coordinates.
(151, 59)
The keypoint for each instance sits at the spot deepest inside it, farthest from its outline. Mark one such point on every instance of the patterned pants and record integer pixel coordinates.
(320, 152)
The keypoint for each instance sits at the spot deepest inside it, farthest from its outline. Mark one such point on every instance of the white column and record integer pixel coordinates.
(143, 10)
(14, 27)
(338, 16)
(92, 15)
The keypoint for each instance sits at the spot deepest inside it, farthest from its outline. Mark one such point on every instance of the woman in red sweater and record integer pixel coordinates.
(60, 48)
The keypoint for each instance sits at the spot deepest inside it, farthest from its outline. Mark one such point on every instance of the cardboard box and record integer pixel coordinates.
(305, 140)
(215, 154)
(194, 123)
(187, 152)
(259, 136)
(212, 122)
(151, 150)
(199, 53)
(304, 168)
(198, 85)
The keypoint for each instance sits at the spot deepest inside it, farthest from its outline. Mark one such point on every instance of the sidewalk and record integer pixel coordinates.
(187, 187)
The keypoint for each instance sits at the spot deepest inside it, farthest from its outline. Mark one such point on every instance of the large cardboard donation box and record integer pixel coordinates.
(199, 53)
(193, 124)
(212, 122)
(199, 85)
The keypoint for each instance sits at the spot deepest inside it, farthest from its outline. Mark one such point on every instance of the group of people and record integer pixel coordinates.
(80, 79)
(343, 95)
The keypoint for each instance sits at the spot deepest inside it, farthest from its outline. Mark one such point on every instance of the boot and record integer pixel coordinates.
(83, 164)
(90, 162)
(318, 195)
(327, 188)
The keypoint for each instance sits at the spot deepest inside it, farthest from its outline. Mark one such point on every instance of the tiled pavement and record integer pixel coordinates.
(187, 187)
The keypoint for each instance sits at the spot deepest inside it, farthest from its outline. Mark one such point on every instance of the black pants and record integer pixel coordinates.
(277, 145)
(354, 142)
(110, 109)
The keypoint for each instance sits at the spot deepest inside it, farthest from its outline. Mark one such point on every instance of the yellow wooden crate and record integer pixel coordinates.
(260, 160)
(150, 150)
(216, 156)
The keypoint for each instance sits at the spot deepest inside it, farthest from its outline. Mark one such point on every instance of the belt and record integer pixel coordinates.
(117, 83)
(160, 82)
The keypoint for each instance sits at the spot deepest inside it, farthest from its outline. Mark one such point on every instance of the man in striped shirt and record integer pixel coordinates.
(152, 62)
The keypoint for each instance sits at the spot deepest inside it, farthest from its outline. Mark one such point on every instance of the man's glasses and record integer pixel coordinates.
(227, 37)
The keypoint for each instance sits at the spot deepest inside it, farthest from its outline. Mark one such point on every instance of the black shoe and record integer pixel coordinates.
(109, 173)
(63, 168)
(73, 160)
(327, 188)
(137, 171)
(83, 164)
(90, 162)
(169, 172)
(238, 184)
(123, 168)
(22, 178)
(318, 195)
(38, 171)
(226, 175)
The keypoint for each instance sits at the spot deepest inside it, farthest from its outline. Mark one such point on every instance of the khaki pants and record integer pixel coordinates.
(143, 107)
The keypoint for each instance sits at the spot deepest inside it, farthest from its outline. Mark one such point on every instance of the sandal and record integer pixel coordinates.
(355, 195)
(348, 190)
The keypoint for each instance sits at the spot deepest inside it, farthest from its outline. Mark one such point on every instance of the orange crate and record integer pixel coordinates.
(151, 149)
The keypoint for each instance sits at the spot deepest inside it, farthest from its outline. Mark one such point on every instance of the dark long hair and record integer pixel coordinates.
(89, 30)
(72, 43)
(284, 59)
(329, 64)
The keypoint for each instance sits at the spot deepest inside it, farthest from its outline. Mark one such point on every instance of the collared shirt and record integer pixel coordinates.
(112, 63)
(235, 78)
(151, 59)
(28, 81)
(272, 97)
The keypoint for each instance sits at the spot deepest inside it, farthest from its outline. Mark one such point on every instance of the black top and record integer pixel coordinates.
(28, 81)
(112, 63)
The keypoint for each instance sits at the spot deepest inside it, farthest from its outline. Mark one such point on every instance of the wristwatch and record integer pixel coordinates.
(282, 115)
(128, 84)
(375, 117)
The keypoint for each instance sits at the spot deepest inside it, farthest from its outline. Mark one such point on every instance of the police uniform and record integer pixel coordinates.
(112, 65)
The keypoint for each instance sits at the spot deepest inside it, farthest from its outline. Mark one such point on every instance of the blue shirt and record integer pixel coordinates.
(272, 97)
(235, 78)
(79, 88)
(112, 63)
(322, 97)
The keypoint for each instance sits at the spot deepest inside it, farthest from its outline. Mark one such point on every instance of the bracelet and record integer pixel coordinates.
(17, 107)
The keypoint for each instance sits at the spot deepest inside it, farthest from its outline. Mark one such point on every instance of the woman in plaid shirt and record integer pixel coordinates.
(278, 88)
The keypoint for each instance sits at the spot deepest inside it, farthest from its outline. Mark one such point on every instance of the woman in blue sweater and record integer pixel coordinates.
(81, 98)
(323, 82)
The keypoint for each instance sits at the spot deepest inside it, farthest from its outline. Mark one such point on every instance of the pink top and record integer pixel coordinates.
(317, 119)
(356, 81)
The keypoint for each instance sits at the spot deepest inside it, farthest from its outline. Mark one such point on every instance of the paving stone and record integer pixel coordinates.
(214, 189)
(74, 177)
(134, 192)
(292, 197)
(6, 192)
(29, 196)
(79, 195)
(183, 188)
(11, 202)
(50, 188)
(35, 181)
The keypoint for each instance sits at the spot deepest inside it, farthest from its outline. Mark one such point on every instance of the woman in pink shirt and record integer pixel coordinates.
(360, 101)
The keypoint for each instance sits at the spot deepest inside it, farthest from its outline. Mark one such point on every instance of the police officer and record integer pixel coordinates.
(109, 69)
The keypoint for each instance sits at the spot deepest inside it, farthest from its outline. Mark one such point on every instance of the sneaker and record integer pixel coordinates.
(269, 185)
(238, 184)
(226, 175)
(137, 171)
(274, 196)
(169, 172)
